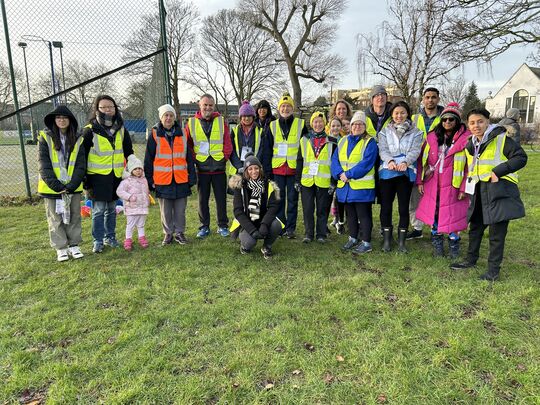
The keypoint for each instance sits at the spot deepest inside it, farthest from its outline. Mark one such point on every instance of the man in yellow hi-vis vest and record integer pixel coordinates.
(378, 112)
(286, 133)
(427, 118)
(208, 134)
(493, 159)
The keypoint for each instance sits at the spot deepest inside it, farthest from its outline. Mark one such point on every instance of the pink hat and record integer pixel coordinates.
(452, 109)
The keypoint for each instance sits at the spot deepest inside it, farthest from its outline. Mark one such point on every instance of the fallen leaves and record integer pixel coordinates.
(340, 358)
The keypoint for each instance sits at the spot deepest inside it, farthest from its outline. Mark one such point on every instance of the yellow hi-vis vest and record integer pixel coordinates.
(60, 171)
(215, 141)
(103, 158)
(356, 156)
(418, 120)
(370, 128)
(323, 162)
(236, 224)
(257, 133)
(458, 168)
(292, 143)
(481, 167)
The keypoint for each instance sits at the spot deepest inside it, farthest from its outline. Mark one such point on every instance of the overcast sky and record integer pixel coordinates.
(84, 40)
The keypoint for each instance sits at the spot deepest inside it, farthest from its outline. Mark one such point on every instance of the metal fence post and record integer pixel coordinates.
(163, 28)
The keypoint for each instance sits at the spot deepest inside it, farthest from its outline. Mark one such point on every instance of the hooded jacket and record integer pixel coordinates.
(500, 201)
(103, 187)
(45, 165)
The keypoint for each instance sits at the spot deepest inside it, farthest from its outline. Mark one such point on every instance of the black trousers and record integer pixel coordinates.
(360, 220)
(248, 242)
(290, 196)
(497, 237)
(389, 188)
(315, 200)
(218, 182)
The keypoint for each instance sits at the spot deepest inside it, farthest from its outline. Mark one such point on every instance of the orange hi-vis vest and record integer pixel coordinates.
(169, 162)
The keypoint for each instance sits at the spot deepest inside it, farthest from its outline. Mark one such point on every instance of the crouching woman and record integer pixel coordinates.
(255, 206)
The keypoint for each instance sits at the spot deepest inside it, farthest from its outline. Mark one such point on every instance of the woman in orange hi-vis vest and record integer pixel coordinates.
(170, 171)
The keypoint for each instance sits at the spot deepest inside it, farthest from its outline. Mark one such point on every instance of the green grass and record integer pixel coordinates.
(202, 324)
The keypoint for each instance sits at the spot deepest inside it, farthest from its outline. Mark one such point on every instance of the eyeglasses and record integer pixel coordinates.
(106, 107)
(61, 118)
(449, 119)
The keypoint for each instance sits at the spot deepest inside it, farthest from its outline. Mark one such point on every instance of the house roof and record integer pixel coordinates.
(535, 70)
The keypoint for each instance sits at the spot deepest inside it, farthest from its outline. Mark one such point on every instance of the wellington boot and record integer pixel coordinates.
(402, 236)
(387, 239)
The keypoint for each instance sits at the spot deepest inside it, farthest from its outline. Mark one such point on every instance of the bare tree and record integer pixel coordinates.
(245, 53)
(208, 77)
(6, 91)
(181, 20)
(408, 51)
(305, 31)
(491, 27)
(454, 89)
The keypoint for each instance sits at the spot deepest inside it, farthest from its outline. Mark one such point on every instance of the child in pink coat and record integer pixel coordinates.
(441, 181)
(134, 191)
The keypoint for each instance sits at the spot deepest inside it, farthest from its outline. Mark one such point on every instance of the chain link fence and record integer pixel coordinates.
(68, 53)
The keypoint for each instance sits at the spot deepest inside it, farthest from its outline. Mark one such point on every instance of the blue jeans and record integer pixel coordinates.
(289, 194)
(103, 220)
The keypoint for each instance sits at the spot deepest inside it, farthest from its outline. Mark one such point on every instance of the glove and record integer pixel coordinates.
(263, 230)
(240, 171)
(331, 189)
(256, 235)
(297, 187)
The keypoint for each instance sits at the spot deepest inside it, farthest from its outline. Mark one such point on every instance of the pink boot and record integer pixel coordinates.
(128, 245)
(143, 242)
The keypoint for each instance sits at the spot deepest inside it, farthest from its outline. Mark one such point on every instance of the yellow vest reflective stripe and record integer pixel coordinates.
(356, 156)
(237, 133)
(492, 156)
(418, 120)
(215, 141)
(323, 176)
(236, 224)
(292, 143)
(103, 158)
(60, 171)
(370, 128)
(458, 170)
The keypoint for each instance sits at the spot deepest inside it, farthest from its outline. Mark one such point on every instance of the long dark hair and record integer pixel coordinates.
(441, 132)
(95, 105)
(71, 136)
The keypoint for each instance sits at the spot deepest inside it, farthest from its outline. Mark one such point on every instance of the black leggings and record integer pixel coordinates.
(360, 220)
(389, 188)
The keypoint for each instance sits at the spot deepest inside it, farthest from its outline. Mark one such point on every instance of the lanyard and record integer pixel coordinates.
(477, 151)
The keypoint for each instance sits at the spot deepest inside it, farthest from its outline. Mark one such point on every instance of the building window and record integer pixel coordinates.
(508, 103)
(532, 104)
(521, 102)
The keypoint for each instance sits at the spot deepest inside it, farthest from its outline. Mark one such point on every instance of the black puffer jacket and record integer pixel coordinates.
(45, 167)
(242, 195)
(174, 190)
(501, 200)
(103, 187)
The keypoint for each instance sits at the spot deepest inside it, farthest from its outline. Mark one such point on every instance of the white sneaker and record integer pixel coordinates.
(62, 255)
(75, 252)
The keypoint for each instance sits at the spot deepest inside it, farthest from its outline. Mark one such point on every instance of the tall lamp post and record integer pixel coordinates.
(37, 38)
(60, 45)
(23, 46)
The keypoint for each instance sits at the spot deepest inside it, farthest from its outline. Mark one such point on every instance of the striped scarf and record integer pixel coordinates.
(254, 204)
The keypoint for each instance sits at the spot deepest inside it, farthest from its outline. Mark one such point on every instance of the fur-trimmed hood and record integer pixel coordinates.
(236, 182)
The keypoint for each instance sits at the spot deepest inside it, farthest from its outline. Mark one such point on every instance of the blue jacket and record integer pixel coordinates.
(346, 194)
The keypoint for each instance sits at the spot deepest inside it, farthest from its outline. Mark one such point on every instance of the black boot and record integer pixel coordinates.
(387, 239)
(438, 245)
(453, 244)
(490, 275)
(402, 236)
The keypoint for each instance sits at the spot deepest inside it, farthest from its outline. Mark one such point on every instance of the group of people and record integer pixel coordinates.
(446, 172)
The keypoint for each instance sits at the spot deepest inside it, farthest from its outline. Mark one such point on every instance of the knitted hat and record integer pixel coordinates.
(512, 113)
(286, 99)
(358, 116)
(452, 109)
(133, 162)
(251, 160)
(166, 108)
(246, 110)
(317, 114)
(377, 89)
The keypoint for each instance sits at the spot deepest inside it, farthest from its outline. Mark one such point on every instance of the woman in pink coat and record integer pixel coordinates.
(441, 181)
(134, 191)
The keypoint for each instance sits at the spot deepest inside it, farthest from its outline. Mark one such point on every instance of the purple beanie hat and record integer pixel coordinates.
(246, 110)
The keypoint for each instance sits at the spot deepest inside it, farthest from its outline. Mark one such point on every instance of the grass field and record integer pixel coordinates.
(201, 324)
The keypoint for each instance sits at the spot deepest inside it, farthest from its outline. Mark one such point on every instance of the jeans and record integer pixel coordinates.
(103, 220)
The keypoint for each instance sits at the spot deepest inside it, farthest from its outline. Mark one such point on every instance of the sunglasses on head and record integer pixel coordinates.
(449, 119)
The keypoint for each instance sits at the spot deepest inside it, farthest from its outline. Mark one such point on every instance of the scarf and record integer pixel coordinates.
(402, 128)
(254, 204)
(105, 120)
